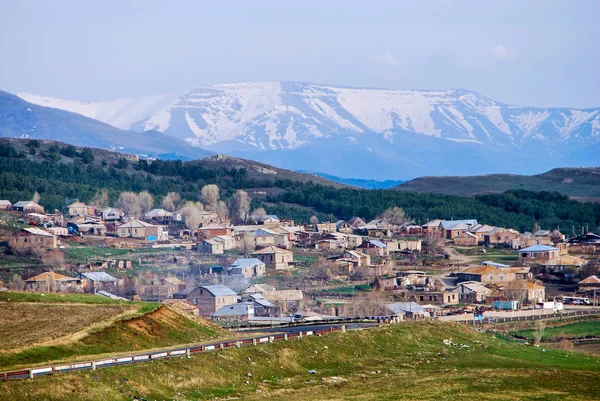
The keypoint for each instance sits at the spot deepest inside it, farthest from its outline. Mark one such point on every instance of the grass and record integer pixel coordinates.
(157, 329)
(10, 296)
(403, 362)
(23, 324)
(349, 289)
(580, 329)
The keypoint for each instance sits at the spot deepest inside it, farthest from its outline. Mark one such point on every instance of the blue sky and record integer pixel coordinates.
(538, 53)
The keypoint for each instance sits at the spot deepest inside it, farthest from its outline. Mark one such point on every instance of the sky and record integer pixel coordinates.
(535, 53)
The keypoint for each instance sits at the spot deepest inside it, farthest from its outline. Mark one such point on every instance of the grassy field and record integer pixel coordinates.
(23, 324)
(348, 289)
(160, 328)
(569, 331)
(9, 296)
(404, 362)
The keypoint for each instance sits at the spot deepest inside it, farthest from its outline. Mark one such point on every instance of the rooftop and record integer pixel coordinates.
(538, 248)
(219, 290)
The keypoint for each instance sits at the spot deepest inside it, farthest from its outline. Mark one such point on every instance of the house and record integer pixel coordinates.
(210, 247)
(96, 281)
(480, 230)
(228, 241)
(234, 313)
(264, 237)
(325, 227)
(80, 209)
(413, 279)
(28, 207)
(590, 283)
(111, 214)
(453, 228)
(161, 216)
(538, 254)
(5, 204)
(211, 298)
(356, 222)
(375, 228)
(466, 239)
(500, 236)
(262, 306)
(410, 246)
(212, 230)
(58, 231)
(432, 227)
(494, 275)
(374, 248)
(358, 257)
(275, 257)
(270, 218)
(248, 267)
(437, 298)
(53, 282)
(472, 291)
(328, 245)
(33, 237)
(284, 299)
(140, 229)
(86, 226)
(343, 226)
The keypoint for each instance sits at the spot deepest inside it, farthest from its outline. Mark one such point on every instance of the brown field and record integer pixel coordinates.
(25, 324)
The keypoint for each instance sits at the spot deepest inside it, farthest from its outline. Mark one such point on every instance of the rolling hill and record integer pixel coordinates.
(579, 183)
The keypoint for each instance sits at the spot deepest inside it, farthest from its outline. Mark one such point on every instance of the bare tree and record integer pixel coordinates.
(247, 244)
(100, 200)
(240, 206)
(36, 197)
(128, 202)
(171, 202)
(314, 219)
(18, 283)
(192, 215)
(145, 202)
(210, 196)
(222, 210)
(258, 215)
(516, 291)
(433, 244)
(394, 216)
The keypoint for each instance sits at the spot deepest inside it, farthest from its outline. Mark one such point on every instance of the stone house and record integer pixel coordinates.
(53, 282)
(28, 207)
(228, 241)
(494, 275)
(248, 267)
(5, 204)
(140, 229)
(210, 247)
(80, 209)
(212, 230)
(374, 248)
(500, 236)
(538, 254)
(466, 239)
(33, 237)
(98, 281)
(275, 257)
(211, 298)
(472, 291)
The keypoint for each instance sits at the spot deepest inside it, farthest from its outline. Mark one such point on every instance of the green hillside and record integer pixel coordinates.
(60, 172)
(581, 183)
(409, 361)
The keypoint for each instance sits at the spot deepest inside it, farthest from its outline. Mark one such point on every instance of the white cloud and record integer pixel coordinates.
(502, 53)
(386, 59)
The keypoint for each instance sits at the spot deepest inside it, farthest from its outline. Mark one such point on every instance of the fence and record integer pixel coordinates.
(177, 352)
(532, 317)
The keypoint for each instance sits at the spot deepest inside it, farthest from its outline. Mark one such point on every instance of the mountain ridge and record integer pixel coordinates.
(396, 132)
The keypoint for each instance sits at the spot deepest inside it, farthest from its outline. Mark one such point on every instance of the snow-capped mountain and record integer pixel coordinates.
(357, 132)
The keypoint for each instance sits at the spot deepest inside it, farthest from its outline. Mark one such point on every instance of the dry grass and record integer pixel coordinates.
(27, 324)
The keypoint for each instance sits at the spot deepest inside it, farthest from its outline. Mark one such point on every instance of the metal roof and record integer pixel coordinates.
(447, 224)
(219, 290)
(247, 262)
(99, 276)
(37, 231)
(239, 309)
(539, 248)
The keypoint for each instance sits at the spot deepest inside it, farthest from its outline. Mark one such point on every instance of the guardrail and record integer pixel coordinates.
(175, 352)
(347, 320)
(531, 317)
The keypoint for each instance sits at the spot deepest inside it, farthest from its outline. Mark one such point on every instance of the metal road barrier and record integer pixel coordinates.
(554, 315)
(176, 352)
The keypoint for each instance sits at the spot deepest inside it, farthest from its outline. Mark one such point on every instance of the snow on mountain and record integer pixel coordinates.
(278, 121)
(121, 113)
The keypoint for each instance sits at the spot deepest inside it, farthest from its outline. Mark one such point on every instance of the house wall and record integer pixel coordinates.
(207, 303)
(22, 239)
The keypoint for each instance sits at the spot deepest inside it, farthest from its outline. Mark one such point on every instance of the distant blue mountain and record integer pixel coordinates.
(357, 182)
(20, 119)
(376, 134)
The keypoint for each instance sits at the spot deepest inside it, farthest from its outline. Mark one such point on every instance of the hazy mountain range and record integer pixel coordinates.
(353, 132)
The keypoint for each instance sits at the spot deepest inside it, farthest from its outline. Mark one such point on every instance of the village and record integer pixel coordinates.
(262, 270)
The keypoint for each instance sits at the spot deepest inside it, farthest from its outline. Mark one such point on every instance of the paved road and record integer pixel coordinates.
(318, 327)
